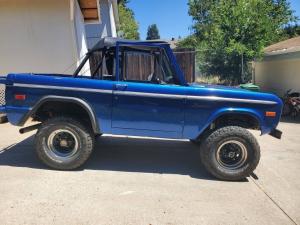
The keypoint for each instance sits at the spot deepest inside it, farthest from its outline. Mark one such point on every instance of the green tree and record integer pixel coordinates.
(128, 25)
(231, 33)
(292, 31)
(153, 33)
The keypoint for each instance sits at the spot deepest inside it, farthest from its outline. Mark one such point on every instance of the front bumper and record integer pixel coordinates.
(276, 133)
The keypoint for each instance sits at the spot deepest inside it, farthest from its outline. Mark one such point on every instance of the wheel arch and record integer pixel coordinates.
(62, 99)
(238, 112)
(246, 118)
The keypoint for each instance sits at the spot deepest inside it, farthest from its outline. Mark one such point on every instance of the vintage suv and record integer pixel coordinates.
(154, 102)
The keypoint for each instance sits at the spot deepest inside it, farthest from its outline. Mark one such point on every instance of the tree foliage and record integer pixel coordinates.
(128, 25)
(153, 32)
(231, 33)
(291, 31)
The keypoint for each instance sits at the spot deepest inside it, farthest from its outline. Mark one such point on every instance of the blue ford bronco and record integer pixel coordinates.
(72, 110)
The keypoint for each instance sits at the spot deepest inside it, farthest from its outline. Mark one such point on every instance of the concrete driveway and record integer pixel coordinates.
(147, 181)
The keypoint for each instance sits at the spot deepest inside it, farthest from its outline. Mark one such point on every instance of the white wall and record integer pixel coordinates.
(38, 36)
(107, 26)
(278, 76)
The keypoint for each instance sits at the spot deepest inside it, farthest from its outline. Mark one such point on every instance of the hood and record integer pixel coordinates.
(231, 92)
(218, 87)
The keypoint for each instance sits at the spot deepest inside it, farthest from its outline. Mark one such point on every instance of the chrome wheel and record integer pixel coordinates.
(231, 155)
(62, 145)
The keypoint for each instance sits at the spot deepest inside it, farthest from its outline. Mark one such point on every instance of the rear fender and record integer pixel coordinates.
(78, 101)
(4, 80)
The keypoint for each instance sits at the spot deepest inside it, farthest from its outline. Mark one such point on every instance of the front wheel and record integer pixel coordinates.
(230, 153)
(63, 143)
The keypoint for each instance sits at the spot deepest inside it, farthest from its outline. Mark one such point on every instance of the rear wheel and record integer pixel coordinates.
(64, 143)
(230, 153)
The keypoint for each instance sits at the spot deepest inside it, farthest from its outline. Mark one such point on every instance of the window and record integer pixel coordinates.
(100, 65)
(148, 65)
(106, 66)
(138, 66)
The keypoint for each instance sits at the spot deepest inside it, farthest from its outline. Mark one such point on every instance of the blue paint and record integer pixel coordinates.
(147, 109)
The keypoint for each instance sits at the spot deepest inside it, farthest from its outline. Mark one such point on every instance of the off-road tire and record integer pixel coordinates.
(83, 135)
(213, 141)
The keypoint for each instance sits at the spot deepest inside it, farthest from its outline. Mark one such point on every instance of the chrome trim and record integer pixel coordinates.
(63, 88)
(216, 98)
(147, 94)
(191, 97)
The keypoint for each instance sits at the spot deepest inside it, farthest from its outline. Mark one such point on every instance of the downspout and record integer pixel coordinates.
(112, 8)
(116, 14)
(73, 32)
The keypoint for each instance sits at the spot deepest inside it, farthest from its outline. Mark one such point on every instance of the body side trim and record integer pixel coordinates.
(193, 97)
(217, 98)
(147, 94)
(63, 88)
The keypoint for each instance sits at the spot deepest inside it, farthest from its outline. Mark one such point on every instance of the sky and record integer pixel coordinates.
(171, 16)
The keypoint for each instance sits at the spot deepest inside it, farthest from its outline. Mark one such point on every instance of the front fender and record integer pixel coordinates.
(249, 112)
(257, 114)
(194, 131)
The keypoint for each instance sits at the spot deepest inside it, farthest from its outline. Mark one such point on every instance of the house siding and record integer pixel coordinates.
(278, 74)
(39, 36)
(105, 28)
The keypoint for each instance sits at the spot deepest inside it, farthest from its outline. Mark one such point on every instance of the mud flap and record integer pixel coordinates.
(276, 133)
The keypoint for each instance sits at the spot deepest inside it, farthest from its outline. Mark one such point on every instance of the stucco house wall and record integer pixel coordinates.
(277, 76)
(107, 26)
(37, 36)
(279, 70)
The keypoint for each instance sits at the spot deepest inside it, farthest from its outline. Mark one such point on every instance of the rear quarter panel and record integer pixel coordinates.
(36, 87)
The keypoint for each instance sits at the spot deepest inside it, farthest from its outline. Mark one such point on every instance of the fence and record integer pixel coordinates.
(186, 58)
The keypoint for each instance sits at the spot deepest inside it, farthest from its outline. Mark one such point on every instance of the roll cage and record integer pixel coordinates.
(111, 51)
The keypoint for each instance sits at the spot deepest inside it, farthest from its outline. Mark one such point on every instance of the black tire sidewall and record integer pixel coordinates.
(81, 134)
(215, 139)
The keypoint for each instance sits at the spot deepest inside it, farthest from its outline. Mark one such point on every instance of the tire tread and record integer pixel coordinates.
(89, 137)
(221, 133)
